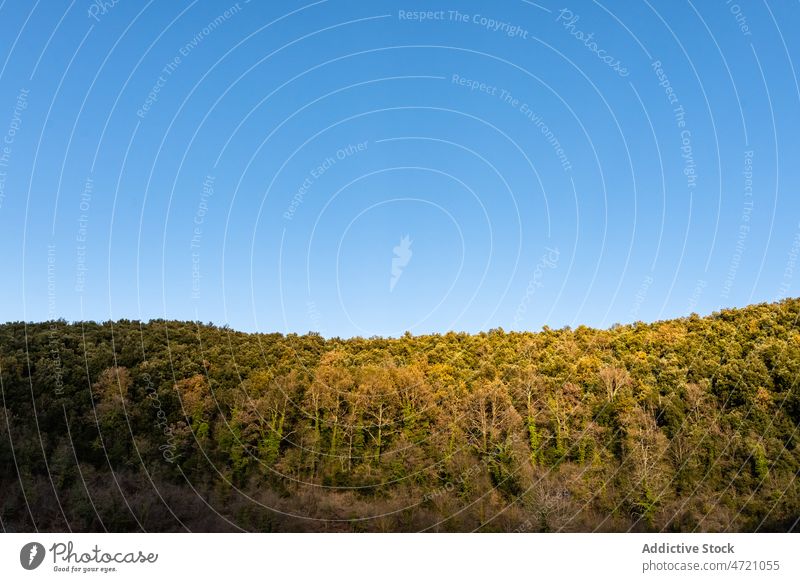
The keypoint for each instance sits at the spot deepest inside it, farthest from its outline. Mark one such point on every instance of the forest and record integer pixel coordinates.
(683, 425)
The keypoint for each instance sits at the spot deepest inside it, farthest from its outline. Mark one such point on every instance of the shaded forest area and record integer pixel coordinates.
(682, 425)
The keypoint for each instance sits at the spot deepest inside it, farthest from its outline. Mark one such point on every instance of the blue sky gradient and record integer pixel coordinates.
(258, 164)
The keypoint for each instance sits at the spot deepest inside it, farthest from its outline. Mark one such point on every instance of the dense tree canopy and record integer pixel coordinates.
(682, 425)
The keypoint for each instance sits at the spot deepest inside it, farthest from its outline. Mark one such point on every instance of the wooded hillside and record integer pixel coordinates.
(682, 425)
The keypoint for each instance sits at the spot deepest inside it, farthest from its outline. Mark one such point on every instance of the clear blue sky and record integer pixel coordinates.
(259, 164)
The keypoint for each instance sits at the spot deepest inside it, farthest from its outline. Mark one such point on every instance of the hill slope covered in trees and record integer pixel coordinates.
(683, 425)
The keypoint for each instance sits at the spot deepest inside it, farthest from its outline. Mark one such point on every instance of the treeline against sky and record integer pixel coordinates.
(683, 425)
